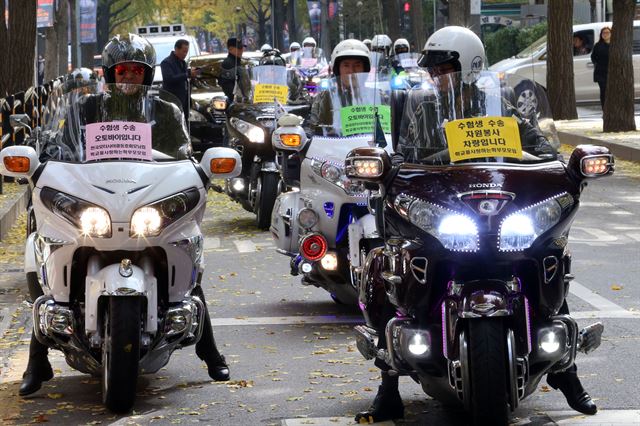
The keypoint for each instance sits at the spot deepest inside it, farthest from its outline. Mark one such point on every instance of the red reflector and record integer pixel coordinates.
(313, 247)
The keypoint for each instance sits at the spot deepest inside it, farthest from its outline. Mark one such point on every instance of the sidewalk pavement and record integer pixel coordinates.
(13, 202)
(625, 146)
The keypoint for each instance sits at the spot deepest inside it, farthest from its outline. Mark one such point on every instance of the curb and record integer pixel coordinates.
(9, 214)
(619, 151)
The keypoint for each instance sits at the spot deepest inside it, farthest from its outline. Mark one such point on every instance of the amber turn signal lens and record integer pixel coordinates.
(595, 166)
(290, 140)
(17, 164)
(223, 165)
(368, 168)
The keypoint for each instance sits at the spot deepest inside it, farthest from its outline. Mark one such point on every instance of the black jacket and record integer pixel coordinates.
(231, 68)
(175, 78)
(600, 58)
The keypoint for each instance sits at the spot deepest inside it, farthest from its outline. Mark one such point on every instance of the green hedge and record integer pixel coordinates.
(507, 41)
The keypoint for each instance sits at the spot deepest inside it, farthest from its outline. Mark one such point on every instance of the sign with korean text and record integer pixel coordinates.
(359, 119)
(265, 93)
(483, 137)
(118, 140)
(44, 14)
(88, 12)
(308, 62)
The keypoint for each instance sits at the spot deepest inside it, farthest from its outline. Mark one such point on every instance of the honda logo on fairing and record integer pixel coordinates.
(120, 181)
(484, 185)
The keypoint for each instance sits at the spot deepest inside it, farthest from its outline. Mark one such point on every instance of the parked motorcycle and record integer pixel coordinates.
(327, 216)
(249, 126)
(116, 247)
(476, 261)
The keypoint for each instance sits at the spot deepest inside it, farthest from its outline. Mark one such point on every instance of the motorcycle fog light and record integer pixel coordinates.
(255, 135)
(418, 345)
(550, 343)
(329, 262)
(95, 222)
(238, 185)
(307, 218)
(145, 222)
(306, 267)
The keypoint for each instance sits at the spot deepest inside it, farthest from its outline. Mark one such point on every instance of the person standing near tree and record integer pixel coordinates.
(600, 58)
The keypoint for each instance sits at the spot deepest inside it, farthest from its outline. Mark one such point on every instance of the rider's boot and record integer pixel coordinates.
(569, 384)
(387, 404)
(38, 369)
(207, 350)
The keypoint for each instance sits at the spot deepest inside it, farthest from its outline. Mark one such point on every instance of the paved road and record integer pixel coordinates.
(595, 111)
(292, 351)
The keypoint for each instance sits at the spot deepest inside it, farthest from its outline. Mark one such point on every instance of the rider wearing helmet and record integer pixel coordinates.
(294, 47)
(348, 57)
(381, 43)
(128, 61)
(367, 42)
(400, 46)
(266, 47)
(80, 77)
(380, 51)
(273, 57)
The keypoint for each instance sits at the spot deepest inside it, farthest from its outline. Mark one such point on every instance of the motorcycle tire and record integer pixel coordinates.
(488, 371)
(267, 192)
(121, 353)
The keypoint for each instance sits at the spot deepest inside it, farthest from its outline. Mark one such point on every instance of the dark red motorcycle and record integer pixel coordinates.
(476, 262)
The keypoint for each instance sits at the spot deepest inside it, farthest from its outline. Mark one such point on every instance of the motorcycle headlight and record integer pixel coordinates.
(254, 133)
(334, 173)
(456, 231)
(91, 220)
(219, 104)
(150, 220)
(520, 229)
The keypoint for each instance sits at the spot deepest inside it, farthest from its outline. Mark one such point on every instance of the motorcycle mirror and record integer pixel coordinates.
(289, 138)
(20, 121)
(367, 164)
(18, 161)
(591, 161)
(290, 120)
(223, 163)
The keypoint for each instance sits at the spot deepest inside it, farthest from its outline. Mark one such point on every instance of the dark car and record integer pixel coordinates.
(207, 118)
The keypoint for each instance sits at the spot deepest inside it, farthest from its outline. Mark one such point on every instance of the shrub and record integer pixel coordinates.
(506, 42)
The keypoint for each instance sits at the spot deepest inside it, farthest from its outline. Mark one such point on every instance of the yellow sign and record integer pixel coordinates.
(265, 93)
(483, 137)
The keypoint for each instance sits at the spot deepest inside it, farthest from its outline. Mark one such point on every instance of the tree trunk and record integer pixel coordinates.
(17, 46)
(324, 26)
(560, 85)
(618, 106)
(51, 53)
(278, 14)
(294, 34)
(75, 62)
(390, 10)
(62, 30)
(417, 25)
(102, 22)
(460, 12)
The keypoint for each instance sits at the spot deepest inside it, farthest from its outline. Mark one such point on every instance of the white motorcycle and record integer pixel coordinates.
(117, 246)
(325, 224)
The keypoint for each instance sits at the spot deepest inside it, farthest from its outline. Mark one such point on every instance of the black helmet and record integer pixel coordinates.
(272, 57)
(80, 77)
(128, 48)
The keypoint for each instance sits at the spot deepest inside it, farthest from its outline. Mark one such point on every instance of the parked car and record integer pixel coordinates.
(531, 64)
(207, 118)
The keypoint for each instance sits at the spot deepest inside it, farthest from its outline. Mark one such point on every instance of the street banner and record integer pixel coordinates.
(45, 14)
(88, 10)
(315, 14)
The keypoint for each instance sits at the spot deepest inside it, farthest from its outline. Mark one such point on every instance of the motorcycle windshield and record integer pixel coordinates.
(105, 122)
(408, 61)
(268, 84)
(350, 105)
(309, 64)
(462, 117)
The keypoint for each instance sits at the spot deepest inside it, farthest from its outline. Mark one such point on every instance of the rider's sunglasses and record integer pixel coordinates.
(402, 50)
(122, 69)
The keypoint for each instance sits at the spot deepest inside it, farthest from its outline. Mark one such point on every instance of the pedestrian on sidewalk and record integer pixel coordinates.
(600, 58)
(175, 74)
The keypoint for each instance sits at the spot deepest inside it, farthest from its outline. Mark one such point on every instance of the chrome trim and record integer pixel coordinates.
(464, 371)
(421, 270)
(513, 375)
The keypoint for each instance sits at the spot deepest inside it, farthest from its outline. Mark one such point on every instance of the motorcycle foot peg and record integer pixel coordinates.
(217, 188)
(366, 341)
(590, 337)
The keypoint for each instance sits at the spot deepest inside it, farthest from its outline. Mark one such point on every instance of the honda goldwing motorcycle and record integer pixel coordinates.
(476, 262)
(117, 246)
(327, 216)
(312, 70)
(249, 126)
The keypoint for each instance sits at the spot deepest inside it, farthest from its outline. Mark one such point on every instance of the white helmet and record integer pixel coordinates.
(457, 45)
(266, 47)
(367, 42)
(309, 40)
(381, 42)
(294, 45)
(350, 48)
(401, 44)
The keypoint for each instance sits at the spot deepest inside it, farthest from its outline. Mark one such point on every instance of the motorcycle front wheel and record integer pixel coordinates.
(267, 191)
(121, 353)
(488, 371)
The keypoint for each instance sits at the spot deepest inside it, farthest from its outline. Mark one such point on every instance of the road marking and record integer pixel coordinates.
(211, 243)
(617, 417)
(605, 314)
(595, 236)
(595, 204)
(296, 319)
(245, 246)
(621, 213)
(327, 421)
(634, 236)
(593, 299)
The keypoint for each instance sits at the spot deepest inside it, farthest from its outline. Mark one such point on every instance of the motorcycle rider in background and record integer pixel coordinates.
(450, 50)
(128, 60)
(381, 46)
(367, 42)
(400, 46)
(296, 87)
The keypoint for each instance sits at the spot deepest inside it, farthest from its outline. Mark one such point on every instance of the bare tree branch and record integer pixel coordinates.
(119, 11)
